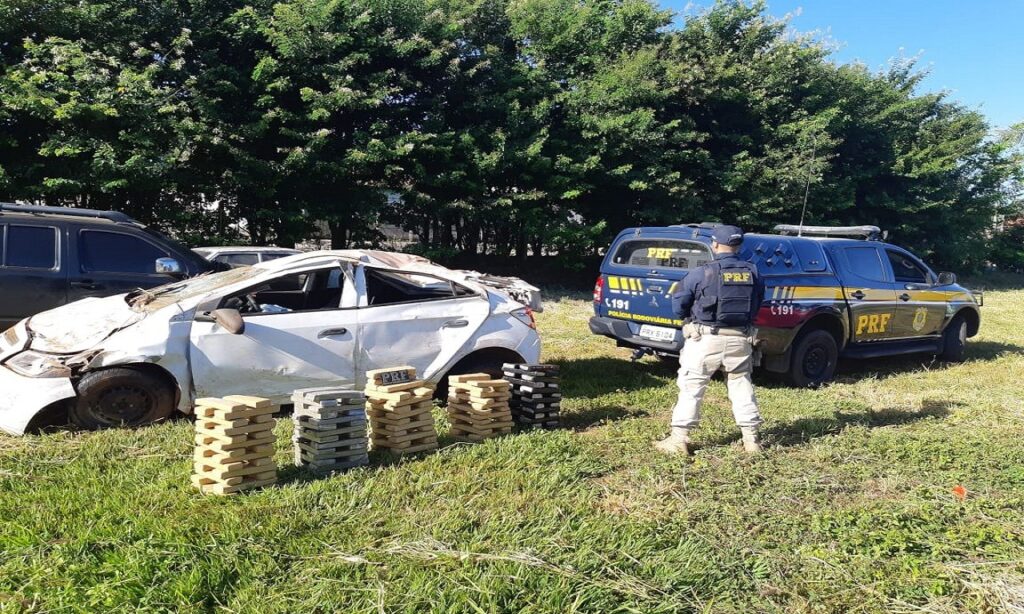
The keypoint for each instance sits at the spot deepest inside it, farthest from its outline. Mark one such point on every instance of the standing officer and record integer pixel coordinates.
(718, 301)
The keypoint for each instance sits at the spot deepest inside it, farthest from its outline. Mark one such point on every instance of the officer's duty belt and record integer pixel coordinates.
(726, 331)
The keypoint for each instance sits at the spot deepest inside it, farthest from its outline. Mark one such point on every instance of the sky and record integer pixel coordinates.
(974, 49)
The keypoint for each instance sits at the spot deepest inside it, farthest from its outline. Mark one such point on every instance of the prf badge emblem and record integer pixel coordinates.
(920, 318)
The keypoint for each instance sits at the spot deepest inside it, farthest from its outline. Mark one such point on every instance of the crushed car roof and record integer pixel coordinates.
(372, 257)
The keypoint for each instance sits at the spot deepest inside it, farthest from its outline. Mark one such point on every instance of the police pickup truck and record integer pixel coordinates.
(829, 292)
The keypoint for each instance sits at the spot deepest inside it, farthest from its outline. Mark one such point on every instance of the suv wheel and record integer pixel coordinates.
(954, 340)
(815, 357)
(121, 396)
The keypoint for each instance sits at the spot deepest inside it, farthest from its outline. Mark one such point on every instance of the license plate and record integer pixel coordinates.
(657, 333)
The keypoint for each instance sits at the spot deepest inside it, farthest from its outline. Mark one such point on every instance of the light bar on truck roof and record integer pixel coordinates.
(867, 233)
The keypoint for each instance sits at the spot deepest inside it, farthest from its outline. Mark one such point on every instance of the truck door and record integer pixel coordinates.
(869, 291)
(921, 310)
(639, 277)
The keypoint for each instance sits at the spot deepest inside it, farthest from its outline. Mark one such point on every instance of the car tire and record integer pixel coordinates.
(121, 396)
(954, 340)
(815, 358)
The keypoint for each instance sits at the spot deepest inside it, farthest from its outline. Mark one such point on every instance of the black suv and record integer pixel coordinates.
(50, 256)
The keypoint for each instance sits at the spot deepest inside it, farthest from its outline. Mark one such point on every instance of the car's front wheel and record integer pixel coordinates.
(954, 340)
(121, 396)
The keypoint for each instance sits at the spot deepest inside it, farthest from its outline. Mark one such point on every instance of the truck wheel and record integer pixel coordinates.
(954, 340)
(815, 357)
(121, 396)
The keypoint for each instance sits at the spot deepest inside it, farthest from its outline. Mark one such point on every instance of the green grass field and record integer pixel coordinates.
(851, 509)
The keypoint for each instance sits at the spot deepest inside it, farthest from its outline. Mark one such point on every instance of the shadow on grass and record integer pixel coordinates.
(582, 420)
(590, 377)
(293, 474)
(852, 370)
(803, 430)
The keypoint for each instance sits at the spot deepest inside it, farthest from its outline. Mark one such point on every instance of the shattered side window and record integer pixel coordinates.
(390, 287)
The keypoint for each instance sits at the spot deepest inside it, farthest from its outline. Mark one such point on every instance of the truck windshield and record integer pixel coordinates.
(662, 254)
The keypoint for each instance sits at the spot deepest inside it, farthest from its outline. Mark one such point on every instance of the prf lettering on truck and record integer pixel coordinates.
(873, 324)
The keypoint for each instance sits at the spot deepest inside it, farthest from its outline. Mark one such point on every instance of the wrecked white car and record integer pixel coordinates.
(306, 320)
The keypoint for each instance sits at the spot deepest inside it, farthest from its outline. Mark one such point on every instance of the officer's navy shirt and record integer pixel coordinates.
(697, 284)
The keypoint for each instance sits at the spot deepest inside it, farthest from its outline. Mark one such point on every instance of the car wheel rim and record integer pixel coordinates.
(122, 404)
(816, 362)
(962, 333)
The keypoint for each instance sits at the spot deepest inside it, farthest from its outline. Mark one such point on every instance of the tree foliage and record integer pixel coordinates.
(507, 127)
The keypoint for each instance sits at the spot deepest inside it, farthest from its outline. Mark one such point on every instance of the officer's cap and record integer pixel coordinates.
(728, 235)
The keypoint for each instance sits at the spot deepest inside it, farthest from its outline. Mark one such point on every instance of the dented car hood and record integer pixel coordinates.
(82, 325)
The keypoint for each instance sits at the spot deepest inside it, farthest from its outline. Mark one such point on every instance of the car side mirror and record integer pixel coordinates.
(947, 279)
(230, 320)
(169, 266)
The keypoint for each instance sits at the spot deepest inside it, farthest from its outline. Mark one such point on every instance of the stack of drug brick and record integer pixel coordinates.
(536, 397)
(330, 429)
(478, 407)
(398, 406)
(234, 444)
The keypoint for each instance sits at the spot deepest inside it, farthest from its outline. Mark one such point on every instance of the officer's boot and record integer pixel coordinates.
(751, 440)
(676, 443)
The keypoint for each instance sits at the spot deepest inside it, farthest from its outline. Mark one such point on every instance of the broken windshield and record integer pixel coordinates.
(161, 296)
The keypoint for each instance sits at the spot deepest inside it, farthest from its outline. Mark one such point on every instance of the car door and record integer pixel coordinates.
(33, 274)
(309, 340)
(414, 319)
(112, 262)
(869, 292)
(921, 310)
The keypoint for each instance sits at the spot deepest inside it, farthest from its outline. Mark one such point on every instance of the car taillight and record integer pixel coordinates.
(598, 288)
(525, 315)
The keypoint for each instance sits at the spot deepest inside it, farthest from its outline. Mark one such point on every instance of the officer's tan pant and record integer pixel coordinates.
(700, 358)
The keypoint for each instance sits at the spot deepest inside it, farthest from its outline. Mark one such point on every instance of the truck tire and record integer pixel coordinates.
(121, 396)
(814, 361)
(954, 340)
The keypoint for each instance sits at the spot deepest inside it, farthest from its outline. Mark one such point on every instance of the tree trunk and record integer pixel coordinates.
(538, 247)
(521, 243)
(339, 234)
(425, 233)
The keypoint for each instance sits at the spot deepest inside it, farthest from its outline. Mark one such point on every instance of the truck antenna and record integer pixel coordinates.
(807, 185)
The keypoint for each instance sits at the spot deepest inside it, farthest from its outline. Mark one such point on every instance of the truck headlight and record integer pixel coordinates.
(37, 364)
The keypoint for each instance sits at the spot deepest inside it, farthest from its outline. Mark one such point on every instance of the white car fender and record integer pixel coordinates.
(24, 397)
(157, 341)
(494, 333)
